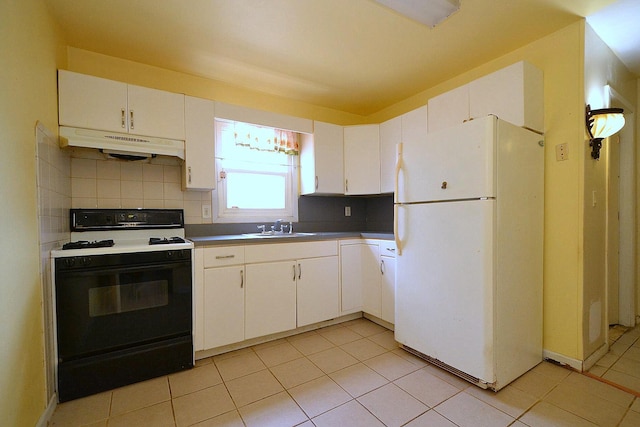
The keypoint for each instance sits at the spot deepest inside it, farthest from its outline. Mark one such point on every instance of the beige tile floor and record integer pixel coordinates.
(352, 374)
(621, 365)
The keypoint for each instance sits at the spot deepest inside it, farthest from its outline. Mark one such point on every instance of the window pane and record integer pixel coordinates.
(246, 190)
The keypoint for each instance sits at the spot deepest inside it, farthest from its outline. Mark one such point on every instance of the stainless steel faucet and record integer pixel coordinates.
(277, 226)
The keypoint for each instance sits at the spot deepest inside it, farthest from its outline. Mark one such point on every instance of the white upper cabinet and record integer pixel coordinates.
(362, 159)
(514, 94)
(390, 136)
(448, 109)
(155, 112)
(321, 160)
(95, 103)
(199, 164)
(91, 102)
(410, 127)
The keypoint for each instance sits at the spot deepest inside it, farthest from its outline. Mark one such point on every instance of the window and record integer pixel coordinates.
(256, 172)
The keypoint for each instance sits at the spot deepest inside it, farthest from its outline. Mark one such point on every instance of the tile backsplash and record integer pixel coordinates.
(100, 182)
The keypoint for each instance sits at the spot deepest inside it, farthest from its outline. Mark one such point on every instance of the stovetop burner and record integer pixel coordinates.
(84, 244)
(165, 240)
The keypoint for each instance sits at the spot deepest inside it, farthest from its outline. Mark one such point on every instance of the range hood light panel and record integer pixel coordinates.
(121, 144)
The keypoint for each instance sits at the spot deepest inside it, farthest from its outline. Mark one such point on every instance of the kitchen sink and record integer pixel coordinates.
(269, 234)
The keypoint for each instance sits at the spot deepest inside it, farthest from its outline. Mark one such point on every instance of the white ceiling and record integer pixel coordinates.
(355, 56)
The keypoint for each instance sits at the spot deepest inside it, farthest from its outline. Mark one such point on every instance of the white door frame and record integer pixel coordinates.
(627, 209)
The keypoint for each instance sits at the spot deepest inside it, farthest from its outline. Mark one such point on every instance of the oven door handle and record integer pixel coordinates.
(88, 270)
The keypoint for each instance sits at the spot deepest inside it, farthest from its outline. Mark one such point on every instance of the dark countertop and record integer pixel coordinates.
(242, 239)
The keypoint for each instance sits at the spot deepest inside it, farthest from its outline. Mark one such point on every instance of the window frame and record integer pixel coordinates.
(289, 168)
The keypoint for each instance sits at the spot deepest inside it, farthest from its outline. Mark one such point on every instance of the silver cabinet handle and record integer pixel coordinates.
(130, 119)
(123, 119)
(346, 185)
(225, 256)
(382, 267)
(299, 272)
(241, 278)
(316, 182)
(391, 249)
(294, 272)
(189, 173)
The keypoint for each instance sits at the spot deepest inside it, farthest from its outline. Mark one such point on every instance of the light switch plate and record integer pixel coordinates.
(347, 211)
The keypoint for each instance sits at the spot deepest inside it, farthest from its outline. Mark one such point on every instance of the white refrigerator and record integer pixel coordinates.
(469, 229)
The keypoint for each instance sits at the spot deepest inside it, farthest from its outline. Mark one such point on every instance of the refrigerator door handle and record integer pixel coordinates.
(395, 196)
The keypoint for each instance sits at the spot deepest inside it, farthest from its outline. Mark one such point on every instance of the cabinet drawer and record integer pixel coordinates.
(289, 251)
(388, 248)
(225, 255)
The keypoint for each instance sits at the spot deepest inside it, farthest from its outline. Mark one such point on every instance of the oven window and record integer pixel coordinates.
(130, 297)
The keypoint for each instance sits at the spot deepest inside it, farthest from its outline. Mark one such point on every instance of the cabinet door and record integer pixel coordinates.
(414, 126)
(388, 269)
(199, 163)
(321, 160)
(350, 278)
(155, 112)
(390, 136)
(223, 306)
(362, 159)
(91, 102)
(448, 109)
(371, 278)
(270, 298)
(317, 292)
(514, 93)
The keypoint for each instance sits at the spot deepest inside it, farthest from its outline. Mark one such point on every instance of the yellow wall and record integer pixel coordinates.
(559, 55)
(29, 56)
(602, 68)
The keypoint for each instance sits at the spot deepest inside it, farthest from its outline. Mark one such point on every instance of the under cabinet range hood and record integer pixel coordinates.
(121, 145)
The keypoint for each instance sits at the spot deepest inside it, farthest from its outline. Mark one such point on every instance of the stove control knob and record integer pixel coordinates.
(85, 261)
(169, 254)
(69, 262)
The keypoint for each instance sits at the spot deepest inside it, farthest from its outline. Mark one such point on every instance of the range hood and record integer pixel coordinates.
(123, 144)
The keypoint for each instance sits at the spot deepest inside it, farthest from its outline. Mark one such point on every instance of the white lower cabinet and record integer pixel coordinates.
(371, 279)
(368, 278)
(350, 276)
(318, 290)
(388, 291)
(251, 291)
(270, 298)
(223, 277)
(224, 294)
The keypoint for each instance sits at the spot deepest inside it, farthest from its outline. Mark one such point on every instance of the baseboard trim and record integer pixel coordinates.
(595, 356)
(562, 359)
(48, 412)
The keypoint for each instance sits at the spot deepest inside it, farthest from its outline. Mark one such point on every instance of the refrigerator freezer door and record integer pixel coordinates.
(445, 283)
(452, 164)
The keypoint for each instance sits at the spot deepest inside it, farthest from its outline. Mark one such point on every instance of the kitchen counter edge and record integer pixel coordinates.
(240, 239)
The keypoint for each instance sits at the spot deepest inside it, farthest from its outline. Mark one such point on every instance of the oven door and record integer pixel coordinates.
(111, 302)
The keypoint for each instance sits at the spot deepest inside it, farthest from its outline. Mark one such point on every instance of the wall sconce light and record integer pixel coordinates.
(602, 124)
